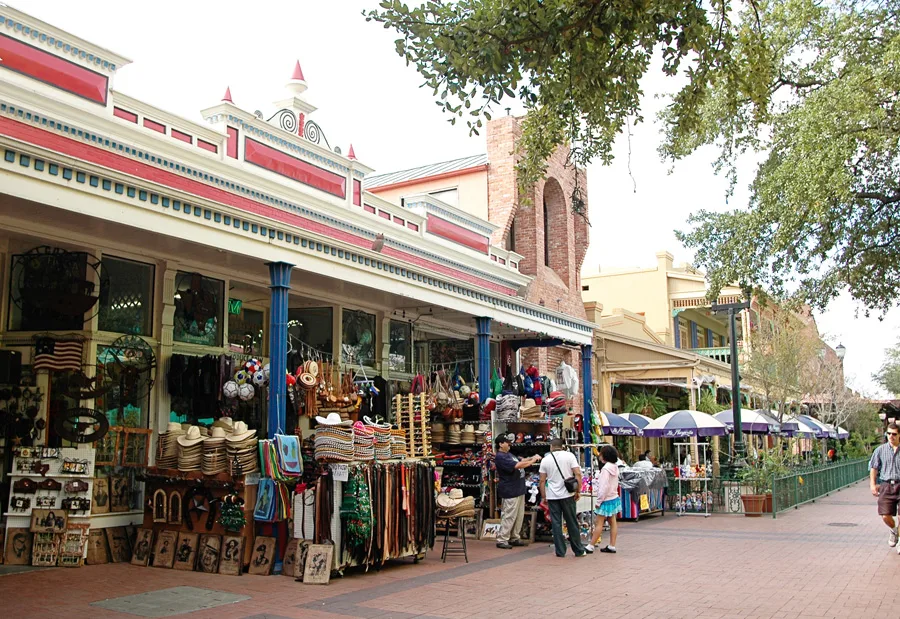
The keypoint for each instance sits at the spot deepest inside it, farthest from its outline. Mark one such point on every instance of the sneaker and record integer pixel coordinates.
(589, 549)
(583, 554)
(517, 542)
(892, 537)
(608, 549)
(503, 545)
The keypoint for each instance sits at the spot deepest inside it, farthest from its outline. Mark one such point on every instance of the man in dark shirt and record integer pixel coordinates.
(511, 491)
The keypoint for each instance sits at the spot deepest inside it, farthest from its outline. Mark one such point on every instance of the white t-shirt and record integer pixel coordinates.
(556, 487)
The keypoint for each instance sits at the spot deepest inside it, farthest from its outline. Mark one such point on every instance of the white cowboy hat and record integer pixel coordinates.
(224, 422)
(174, 428)
(192, 437)
(450, 499)
(333, 419)
(240, 432)
(217, 435)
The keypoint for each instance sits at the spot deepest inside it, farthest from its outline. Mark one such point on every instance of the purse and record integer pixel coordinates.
(571, 483)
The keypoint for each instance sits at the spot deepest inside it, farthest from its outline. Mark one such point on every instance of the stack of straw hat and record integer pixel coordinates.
(215, 459)
(454, 434)
(398, 443)
(242, 445)
(383, 441)
(468, 435)
(167, 457)
(530, 410)
(454, 505)
(438, 433)
(363, 442)
(190, 450)
(334, 439)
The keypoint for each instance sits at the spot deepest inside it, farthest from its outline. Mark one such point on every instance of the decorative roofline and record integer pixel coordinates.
(433, 205)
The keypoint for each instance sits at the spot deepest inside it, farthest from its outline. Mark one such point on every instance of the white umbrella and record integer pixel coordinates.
(682, 424)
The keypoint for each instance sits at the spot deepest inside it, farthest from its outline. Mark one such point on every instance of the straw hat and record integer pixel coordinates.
(192, 437)
(311, 368)
(240, 432)
(174, 428)
(216, 436)
(224, 422)
(333, 419)
(450, 499)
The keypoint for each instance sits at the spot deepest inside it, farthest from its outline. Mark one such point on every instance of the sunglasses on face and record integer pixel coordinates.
(893, 433)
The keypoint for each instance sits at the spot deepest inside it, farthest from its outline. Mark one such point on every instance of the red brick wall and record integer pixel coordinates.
(557, 287)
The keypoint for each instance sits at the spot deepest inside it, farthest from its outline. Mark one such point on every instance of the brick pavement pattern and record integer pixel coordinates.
(827, 559)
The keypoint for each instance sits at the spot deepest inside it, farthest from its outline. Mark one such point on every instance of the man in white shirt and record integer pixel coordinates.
(556, 467)
(642, 463)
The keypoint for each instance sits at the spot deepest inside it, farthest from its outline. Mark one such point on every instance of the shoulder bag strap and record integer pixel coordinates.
(557, 465)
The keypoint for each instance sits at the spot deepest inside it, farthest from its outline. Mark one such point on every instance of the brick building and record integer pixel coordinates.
(544, 238)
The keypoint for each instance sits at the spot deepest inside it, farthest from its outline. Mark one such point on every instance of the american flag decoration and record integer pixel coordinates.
(57, 355)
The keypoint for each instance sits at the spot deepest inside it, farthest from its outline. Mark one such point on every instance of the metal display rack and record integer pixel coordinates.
(690, 479)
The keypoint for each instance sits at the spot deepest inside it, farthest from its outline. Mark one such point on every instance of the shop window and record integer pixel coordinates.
(358, 338)
(199, 303)
(126, 297)
(245, 329)
(401, 346)
(127, 401)
(312, 327)
(511, 236)
(51, 289)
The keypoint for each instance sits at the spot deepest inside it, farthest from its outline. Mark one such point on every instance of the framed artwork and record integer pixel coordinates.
(48, 520)
(288, 563)
(164, 551)
(107, 448)
(18, 547)
(136, 447)
(71, 546)
(119, 548)
(317, 570)
(160, 506)
(263, 556)
(490, 528)
(119, 494)
(231, 561)
(98, 548)
(45, 549)
(300, 562)
(100, 504)
(208, 553)
(186, 551)
(142, 546)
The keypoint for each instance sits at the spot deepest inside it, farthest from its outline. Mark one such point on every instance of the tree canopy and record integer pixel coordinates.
(813, 85)
(889, 374)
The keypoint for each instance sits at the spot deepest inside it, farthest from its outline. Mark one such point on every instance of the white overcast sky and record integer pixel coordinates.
(185, 53)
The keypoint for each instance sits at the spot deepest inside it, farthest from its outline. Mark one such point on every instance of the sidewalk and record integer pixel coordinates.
(826, 559)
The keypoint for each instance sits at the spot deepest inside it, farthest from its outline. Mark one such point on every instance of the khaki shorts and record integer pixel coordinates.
(888, 498)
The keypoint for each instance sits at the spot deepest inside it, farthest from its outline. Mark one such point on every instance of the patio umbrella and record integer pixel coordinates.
(842, 433)
(822, 430)
(637, 419)
(752, 421)
(617, 425)
(682, 424)
(793, 426)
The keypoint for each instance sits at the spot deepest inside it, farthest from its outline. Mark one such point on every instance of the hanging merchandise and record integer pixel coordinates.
(232, 516)
(496, 384)
(290, 464)
(356, 514)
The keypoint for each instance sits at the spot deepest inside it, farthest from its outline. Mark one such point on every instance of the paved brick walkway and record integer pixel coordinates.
(799, 565)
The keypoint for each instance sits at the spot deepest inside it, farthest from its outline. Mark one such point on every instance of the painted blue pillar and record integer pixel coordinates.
(675, 321)
(587, 356)
(279, 284)
(694, 342)
(483, 343)
(709, 339)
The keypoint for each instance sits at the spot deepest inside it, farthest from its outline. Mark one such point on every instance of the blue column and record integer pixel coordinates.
(279, 284)
(709, 339)
(483, 342)
(587, 380)
(677, 332)
(694, 342)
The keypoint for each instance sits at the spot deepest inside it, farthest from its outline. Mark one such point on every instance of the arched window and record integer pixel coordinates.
(546, 233)
(557, 248)
(511, 236)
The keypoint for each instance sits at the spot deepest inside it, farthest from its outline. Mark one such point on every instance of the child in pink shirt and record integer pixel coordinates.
(608, 498)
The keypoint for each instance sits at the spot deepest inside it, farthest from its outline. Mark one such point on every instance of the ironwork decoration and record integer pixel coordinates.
(314, 133)
(79, 386)
(136, 447)
(132, 364)
(287, 120)
(195, 305)
(107, 448)
(49, 284)
(81, 425)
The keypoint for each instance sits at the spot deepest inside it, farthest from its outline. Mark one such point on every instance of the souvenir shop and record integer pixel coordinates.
(217, 352)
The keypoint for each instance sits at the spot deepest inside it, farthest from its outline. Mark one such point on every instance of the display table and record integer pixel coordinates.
(634, 484)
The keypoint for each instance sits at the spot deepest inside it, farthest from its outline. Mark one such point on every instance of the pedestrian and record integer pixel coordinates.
(511, 491)
(560, 485)
(610, 503)
(884, 479)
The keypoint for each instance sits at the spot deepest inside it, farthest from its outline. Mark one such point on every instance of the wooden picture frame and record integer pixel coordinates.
(302, 553)
(49, 520)
(119, 494)
(490, 528)
(164, 549)
(263, 556)
(231, 562)
(100, 496)
(160, 505)
(288, 563)
(176, 508)
(98, 547)
(317, 570)
(119, 546)
(18, 547)
(136, 447)
(107, 448)
(143, 544)
(208, 553)
(71, 545)
(186, 551)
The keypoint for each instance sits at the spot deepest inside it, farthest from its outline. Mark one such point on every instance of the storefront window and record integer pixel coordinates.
(401, 346)
(199, 303)
(358, 339)
(128, 399)
(51, 289)
(126, 297)
(312, 326)
(245, 330)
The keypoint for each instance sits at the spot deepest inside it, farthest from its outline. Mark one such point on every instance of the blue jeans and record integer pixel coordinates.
(565, 509)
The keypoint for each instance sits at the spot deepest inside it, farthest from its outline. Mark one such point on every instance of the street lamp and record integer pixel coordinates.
(840, 351)
(731, 309)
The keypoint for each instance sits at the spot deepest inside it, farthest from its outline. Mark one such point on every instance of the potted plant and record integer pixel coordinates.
(644, 403)
(757, 478)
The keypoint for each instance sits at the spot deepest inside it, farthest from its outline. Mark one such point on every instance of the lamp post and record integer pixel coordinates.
(732, 309)
(883, 416)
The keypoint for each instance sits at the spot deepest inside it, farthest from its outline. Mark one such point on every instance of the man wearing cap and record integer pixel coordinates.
(884, 479)
(511, 491)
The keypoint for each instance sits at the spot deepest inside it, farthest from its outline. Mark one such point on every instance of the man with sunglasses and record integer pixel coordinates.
(884, 478)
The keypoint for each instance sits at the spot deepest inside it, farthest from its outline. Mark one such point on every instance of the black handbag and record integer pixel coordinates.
(571, 483)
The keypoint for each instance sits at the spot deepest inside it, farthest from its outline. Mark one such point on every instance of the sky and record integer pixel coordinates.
(186, 53)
